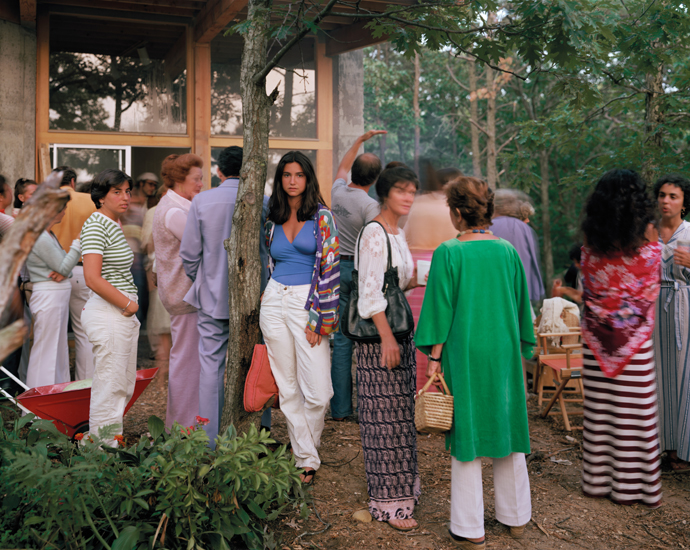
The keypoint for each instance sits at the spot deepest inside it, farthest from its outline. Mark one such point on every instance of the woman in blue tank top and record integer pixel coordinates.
(300, 303)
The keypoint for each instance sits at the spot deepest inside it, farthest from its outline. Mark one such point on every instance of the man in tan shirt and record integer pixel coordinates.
(79, 208)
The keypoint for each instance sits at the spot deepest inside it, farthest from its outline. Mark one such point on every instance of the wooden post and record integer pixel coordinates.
(42, 86)
(202, 107)
(324, 120)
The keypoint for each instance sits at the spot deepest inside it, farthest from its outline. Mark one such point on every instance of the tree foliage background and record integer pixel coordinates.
(610, 89)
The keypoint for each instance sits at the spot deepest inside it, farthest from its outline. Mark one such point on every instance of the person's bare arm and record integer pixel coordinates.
(93, 263)
(434, 366)
(351, 155)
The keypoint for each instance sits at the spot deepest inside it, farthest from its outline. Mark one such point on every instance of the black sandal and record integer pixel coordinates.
(309, 473)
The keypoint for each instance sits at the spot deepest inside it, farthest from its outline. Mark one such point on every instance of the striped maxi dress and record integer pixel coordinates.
(621, 456)
(672, 351)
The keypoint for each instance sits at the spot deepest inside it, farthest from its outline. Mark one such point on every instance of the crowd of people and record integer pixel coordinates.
(474, 308)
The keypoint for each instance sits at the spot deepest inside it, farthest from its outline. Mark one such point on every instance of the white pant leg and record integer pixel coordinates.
(49, 359)
(82, 347)
(511, 490)
(114, 338)
(302, 373)
(466, 499)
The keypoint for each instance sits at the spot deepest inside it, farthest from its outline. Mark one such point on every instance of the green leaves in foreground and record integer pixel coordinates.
(168, 491)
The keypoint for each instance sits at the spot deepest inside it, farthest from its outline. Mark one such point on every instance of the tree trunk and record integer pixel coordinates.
(244, 265)
(546, 217)
(491, 172)
(417, 113)
(382, 147)
(474, 118)
(286, 110)
(117, 96)
(653, 127)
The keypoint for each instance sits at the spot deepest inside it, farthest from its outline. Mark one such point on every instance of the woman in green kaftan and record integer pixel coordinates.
(475, 323)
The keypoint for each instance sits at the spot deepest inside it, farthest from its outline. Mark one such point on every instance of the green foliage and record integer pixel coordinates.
(171, 488)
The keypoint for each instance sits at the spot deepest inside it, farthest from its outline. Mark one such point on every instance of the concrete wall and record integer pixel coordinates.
(348, 102)
(17, 102)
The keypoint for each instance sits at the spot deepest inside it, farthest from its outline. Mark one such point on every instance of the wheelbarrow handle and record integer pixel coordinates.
(13, 377)
(14, 401)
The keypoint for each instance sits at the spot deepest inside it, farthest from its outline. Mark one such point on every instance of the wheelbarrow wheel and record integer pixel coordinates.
(81, 429)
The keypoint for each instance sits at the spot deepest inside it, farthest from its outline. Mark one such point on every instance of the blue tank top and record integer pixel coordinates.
(294, 261)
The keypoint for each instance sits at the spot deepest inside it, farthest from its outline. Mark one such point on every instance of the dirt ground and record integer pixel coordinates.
(562, 518)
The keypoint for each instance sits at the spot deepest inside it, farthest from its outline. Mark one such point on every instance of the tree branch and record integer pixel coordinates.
(261, 75)
(472, 121)
(452, 75)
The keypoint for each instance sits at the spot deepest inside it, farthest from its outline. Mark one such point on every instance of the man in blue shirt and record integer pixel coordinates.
(205, 262)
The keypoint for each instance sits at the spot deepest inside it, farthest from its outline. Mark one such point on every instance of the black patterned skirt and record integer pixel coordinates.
(385, 399)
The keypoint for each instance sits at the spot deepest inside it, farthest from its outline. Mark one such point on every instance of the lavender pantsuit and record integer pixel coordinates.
(185, 365)
(183, 385)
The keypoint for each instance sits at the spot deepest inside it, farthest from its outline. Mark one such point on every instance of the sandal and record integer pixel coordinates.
(400, 527)
(308, 473)
(679, 466)
(466, 544)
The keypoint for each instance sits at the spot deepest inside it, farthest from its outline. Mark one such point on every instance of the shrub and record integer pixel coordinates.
(172, 491)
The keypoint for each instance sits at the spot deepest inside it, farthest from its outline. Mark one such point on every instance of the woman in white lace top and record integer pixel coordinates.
(386, 371)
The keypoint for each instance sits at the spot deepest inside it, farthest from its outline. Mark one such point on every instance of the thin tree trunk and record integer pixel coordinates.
(286, 110)
(654, 118)
(474, 118)
(382, 147)
(118, 97)
(491, 172)
(244, 265)
(546, 216)
(417, 112)
(400, 146)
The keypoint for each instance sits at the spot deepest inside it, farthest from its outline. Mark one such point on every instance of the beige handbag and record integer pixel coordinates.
(433, 411)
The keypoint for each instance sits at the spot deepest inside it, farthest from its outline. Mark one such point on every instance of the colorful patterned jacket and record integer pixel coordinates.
(324, 294)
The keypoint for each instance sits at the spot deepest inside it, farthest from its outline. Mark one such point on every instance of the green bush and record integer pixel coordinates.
(169, 492)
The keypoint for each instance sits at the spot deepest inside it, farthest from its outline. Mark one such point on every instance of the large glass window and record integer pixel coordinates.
(274, 156)
(89, 160)
(115, 76)
(294, 113)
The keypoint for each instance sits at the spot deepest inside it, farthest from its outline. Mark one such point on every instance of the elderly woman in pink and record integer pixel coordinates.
(182, 175)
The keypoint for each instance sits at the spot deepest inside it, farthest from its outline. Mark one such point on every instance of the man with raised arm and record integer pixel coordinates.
(352, 208)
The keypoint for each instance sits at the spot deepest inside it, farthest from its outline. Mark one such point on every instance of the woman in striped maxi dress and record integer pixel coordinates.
(620, 264)
(673, 326)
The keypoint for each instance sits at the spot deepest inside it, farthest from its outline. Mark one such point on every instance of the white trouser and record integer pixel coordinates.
(49, 359)
(511, 494)
(114, 338)
(82, 347)
(302, 373)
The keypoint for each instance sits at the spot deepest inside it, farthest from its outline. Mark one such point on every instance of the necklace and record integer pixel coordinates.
(482, 231)
(388, 226)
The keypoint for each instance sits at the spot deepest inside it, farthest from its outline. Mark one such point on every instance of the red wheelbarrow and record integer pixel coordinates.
(67, 404)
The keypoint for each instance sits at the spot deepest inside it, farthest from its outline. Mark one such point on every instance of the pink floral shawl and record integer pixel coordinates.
(620, 293)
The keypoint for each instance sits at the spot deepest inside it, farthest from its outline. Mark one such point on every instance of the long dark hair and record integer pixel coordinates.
(617, 213)
(278, 206)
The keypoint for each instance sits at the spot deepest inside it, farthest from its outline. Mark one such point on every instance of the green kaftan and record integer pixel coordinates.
(477, 304)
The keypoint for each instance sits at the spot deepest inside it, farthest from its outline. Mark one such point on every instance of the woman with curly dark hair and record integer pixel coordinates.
(620, 264)
(477, 338)
(672, 332)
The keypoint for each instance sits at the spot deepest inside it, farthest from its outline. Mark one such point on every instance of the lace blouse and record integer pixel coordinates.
(372, 264)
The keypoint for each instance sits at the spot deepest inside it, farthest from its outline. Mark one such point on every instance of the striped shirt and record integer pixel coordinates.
(101, 235)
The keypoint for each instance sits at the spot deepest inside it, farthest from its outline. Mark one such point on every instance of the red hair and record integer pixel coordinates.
(176, 167)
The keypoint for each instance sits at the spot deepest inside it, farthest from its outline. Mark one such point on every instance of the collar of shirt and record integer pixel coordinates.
(231, 182)
(180, 200)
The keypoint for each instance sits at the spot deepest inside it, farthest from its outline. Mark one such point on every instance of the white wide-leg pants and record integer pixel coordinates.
(511, 493)
(302, 373)
(49, 359)
(114, 338)
(83, 349)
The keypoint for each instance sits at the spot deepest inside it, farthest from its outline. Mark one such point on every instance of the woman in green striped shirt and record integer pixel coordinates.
(108, 317)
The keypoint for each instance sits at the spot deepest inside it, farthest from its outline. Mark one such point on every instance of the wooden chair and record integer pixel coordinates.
(559, 372)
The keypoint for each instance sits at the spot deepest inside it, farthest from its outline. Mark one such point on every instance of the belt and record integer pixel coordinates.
(347, 257)
(680, 307)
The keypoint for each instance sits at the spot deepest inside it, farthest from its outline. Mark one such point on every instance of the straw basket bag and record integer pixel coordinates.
(433, 412)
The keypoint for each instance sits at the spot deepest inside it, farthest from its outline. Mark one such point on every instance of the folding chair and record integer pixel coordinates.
(560, 372)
